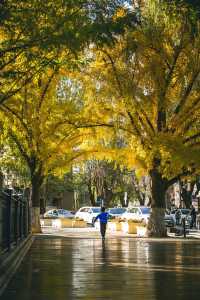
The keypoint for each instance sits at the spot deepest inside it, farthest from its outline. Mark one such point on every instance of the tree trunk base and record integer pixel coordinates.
(156, 225)
(35, 220)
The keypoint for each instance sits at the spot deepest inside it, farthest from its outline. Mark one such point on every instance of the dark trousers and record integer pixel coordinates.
(103, 229)
(193, 222)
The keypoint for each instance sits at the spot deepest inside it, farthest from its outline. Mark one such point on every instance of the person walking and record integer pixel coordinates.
(193, 215)
(178, 216)
(198, 220)
(103, 218)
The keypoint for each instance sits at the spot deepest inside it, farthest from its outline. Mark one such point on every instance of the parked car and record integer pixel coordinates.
(59, 213)
(138, 213)
(169, 220)
(184, 213)
(116, 211)
(88, 214)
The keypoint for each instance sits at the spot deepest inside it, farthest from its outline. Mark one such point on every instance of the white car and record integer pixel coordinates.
(58, 213)
(88, 214)
(116, 212)
(138, 213)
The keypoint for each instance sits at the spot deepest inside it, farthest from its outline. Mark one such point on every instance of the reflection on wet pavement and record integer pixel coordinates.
(121, 269)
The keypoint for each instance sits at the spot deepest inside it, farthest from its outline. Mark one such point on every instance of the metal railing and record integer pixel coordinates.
(14, 220)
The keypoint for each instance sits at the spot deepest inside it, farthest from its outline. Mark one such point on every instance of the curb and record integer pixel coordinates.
(11, 261)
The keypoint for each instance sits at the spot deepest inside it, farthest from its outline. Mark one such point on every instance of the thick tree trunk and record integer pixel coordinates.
(35, 201)
(35, 220)
(156, 226)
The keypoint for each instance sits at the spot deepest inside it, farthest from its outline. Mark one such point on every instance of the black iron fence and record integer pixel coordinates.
(14, 220)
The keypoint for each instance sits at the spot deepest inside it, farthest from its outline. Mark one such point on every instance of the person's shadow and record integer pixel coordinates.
(104, 252)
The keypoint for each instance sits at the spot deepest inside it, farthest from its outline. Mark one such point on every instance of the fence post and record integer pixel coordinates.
(16, 222)
(26, 211)
(8, 218)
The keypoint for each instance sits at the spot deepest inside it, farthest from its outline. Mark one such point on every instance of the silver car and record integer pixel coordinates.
(58, 213)
(184, 213)
(137, 213)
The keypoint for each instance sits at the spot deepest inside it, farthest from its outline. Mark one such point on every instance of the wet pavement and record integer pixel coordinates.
(60, 268)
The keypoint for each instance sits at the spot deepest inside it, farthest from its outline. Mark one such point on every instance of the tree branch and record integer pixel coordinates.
(186, 94)
(115, 71)
(178, 177)
(138, 133)
(46, 88)
(20, 147)
(15, 114)
(191, 138)
(12, 91)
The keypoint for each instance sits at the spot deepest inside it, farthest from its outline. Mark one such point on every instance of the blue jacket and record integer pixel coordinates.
(103, 217)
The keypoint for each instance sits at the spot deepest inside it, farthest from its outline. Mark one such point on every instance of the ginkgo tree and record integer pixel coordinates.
(146, 86)
(39, 121)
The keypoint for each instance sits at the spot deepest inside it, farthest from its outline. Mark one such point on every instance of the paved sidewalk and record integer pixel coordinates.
(73, 268)
(194, 233)
(91, 232)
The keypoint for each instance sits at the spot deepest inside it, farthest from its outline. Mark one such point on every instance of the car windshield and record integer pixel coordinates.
(145, 210)
(117, 211)
(185, 211)
(96, 209)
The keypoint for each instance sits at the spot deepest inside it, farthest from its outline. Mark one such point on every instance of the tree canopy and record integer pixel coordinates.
(155, 108)
(34, 33)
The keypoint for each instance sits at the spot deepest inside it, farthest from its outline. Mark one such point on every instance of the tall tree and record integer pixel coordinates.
(39, 122)
(147, 88)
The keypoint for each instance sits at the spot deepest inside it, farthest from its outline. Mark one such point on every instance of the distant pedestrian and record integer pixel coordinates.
(178, 216)
(103, 218)
(193, 215)
(198, 220)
